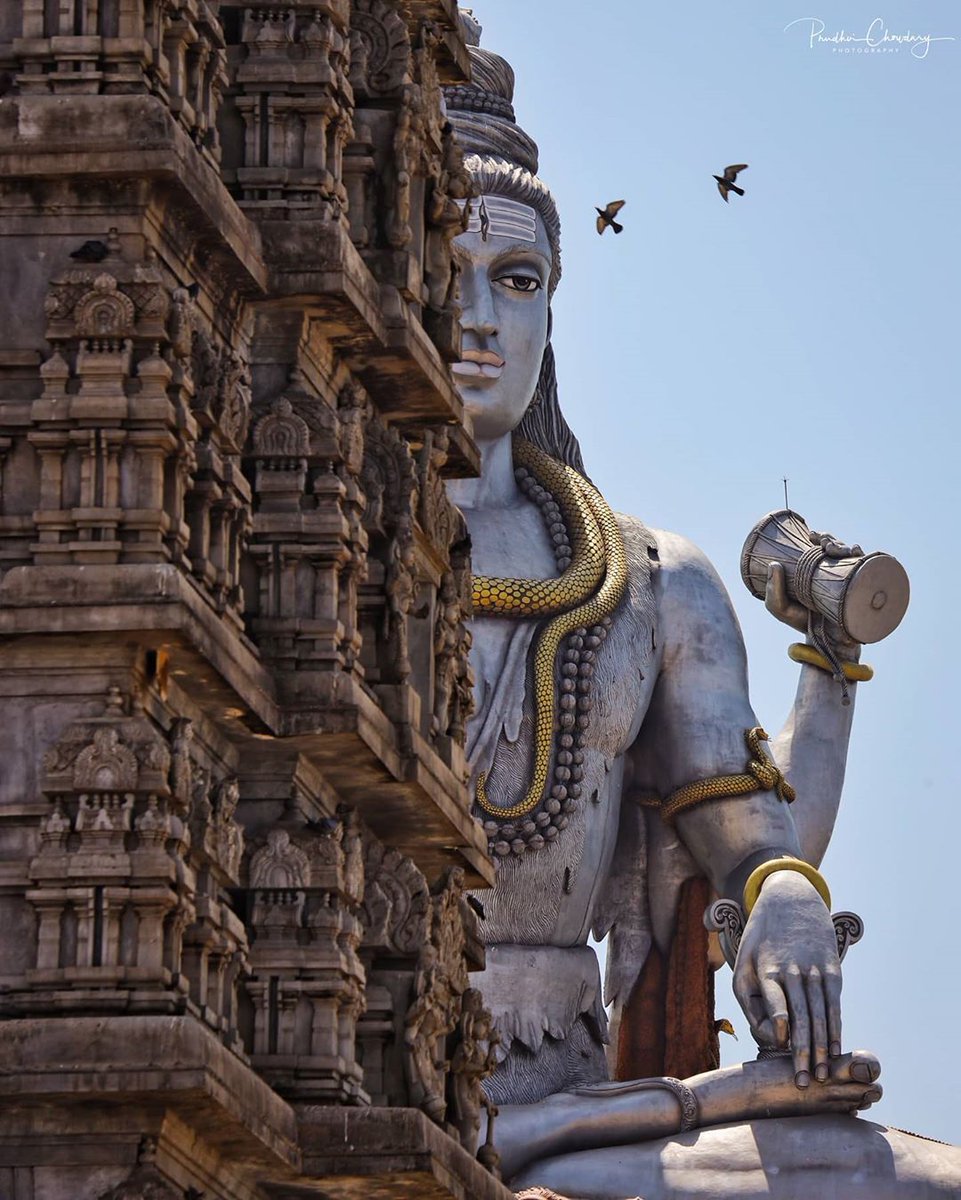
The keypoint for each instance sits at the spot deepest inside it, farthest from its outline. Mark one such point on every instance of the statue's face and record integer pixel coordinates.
(504, 302)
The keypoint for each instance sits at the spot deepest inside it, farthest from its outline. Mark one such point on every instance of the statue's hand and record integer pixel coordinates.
(787, 977)
(779, 604)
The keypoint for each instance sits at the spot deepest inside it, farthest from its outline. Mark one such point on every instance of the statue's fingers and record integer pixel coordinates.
(800, 1025)
(775, 594)
(775, 1006)
(832, 997)
(777, 602)
(747, 991)
(819, 1024)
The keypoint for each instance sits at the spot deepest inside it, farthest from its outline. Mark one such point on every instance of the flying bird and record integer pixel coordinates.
(725, 182)
(91, 252)
(605, 216)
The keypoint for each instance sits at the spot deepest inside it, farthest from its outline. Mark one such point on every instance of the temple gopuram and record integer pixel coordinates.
(235, 830)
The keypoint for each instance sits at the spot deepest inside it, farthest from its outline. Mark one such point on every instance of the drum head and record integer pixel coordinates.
(876, 598)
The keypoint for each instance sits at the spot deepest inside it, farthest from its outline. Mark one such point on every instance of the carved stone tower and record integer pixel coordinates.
(235, 834)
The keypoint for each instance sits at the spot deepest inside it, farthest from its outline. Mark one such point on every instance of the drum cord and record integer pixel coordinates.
(804, 574)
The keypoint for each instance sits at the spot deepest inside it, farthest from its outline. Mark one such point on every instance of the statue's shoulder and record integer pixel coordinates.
(679, 571)
(666, 551)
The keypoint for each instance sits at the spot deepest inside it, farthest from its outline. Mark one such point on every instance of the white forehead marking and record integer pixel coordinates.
(499, 216)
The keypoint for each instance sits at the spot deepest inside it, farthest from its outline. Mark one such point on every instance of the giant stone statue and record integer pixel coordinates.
(615, 758)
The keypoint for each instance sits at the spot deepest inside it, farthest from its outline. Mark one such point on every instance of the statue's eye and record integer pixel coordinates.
(520, 283)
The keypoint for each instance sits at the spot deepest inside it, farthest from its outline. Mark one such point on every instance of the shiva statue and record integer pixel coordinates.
(617, 764)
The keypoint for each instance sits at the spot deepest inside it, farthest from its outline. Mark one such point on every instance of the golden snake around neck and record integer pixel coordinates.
(571, 601)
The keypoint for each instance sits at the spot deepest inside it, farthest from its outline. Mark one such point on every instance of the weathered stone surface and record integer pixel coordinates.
(389, 1152)
(232, 598)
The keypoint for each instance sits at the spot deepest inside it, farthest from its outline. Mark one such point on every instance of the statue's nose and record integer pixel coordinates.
(477, 306)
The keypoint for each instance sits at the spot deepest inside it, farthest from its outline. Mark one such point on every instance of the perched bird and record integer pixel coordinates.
(605, 216)
(725, 182)
(92, 252)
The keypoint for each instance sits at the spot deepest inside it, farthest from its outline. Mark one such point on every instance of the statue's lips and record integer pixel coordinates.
(479, 364)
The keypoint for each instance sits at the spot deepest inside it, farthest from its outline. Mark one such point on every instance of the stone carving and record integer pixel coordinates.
(181, 324)
(223, 397)
(396, 901)
(304, 959)
(234, 397)
(473, 1061)
(280, 866)
(112, 882)
(145, 1182)
(352, 412)
(379, 48)
(112, 753)
(388, 478)
(106, 765)
(399, 232)
(447, 217)
(439, 519)
(426, 1025)
(104, 312)
(294, 99)
(439, 1074)
(181, 766)
(228, 833)
(282, 434)
(401, 588)
(153, 824)
(445, 653)
(193, 385)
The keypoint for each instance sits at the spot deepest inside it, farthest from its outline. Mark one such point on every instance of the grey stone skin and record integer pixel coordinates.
(670, 706)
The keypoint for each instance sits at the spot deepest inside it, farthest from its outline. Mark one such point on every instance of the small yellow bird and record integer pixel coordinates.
(725, 1026)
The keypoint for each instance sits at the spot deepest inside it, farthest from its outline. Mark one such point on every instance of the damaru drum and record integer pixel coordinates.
(865, 594)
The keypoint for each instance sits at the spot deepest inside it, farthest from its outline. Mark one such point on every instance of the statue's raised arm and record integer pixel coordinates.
(623, 780)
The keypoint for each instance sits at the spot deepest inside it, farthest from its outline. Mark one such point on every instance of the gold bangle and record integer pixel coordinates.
(854, 672)
(786, 863)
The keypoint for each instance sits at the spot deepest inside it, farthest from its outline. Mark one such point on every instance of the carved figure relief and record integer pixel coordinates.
(379, 46)
(400, 586)
(397, 901)
(473, 1060)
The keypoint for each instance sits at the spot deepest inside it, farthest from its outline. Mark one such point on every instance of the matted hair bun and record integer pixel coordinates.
(482, 114)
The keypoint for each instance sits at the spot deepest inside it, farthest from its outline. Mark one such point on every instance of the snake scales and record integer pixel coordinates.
(572, 600)
(761, 773)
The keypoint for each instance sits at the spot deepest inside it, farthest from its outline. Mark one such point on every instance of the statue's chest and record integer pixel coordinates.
(546, 891)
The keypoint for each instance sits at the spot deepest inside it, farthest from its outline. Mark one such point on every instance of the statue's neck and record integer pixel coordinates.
(496, 486)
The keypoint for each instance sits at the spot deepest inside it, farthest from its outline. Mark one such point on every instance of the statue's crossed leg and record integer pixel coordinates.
(789, 1144)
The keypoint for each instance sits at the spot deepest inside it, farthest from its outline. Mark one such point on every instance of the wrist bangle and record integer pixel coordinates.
(787, 863)
(854, 672)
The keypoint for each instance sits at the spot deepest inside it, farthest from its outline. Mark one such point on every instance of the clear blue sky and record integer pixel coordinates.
(809, 330)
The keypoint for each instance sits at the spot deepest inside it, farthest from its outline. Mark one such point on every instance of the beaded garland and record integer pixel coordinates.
(542, 826)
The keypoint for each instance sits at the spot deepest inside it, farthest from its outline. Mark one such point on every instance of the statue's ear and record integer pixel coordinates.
(550, 322)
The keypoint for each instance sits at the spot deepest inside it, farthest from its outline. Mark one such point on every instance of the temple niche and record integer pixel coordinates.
(235, 831)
